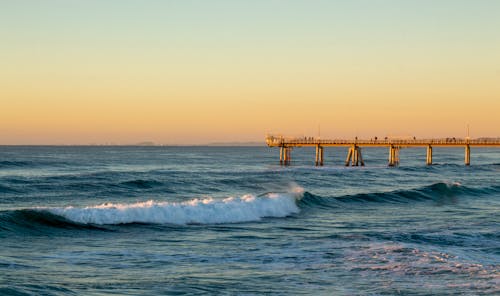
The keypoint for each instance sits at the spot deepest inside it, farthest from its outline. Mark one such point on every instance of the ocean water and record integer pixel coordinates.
(231, 221)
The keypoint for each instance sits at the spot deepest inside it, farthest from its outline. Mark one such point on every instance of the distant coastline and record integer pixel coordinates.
(232, 144)
(148, 144)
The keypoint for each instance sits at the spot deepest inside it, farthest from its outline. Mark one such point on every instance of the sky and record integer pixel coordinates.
(194, 72)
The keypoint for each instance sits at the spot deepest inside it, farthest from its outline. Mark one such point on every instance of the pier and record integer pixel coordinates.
(354, 155)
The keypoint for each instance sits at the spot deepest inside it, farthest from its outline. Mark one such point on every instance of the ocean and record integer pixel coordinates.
(232, 221)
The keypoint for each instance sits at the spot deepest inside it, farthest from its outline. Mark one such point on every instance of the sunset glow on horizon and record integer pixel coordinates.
(194, 72)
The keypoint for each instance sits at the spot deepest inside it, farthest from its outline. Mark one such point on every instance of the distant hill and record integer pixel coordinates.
(147, 143)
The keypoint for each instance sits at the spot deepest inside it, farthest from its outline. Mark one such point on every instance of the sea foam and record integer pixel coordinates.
(196, 211)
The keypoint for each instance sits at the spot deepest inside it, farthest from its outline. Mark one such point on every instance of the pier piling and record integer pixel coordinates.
(281, 155)
(349, 156)
(429, 155)
(467, 154)
(319, 156)
(354, 156)
(393, 155)
(285, 155)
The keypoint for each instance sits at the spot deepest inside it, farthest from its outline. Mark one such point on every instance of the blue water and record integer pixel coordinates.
(230, 220)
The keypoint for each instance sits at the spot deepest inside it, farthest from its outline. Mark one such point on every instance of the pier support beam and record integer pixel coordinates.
(467, 154)
(282, 152)
(285, 155)
(393, 155)
(319, 155)
(350, 152)
(359, 157)
(429, 155)
(354, 157)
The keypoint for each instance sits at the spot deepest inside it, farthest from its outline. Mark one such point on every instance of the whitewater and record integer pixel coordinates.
(231, 220)
(201, 211)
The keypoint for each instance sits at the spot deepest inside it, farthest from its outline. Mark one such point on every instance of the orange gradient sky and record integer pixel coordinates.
(194, 72)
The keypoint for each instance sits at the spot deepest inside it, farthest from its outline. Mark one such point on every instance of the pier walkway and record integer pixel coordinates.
(354, 156)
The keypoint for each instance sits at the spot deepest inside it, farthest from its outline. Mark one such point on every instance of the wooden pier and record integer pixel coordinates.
(354, 156)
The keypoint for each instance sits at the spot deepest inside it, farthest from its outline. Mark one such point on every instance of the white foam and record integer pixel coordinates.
(197, 211)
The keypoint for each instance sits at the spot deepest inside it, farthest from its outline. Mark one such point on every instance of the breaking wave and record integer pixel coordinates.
(197, 211)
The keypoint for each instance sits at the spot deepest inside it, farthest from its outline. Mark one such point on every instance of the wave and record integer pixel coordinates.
(32, 221)
(141, 184)
(7, 189)
(19, 164)
(14, 164)
(247, 208)
(440, 192)
(197, 211)
(25, 185)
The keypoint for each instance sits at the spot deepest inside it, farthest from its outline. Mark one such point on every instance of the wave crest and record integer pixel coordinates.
(197, 211)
